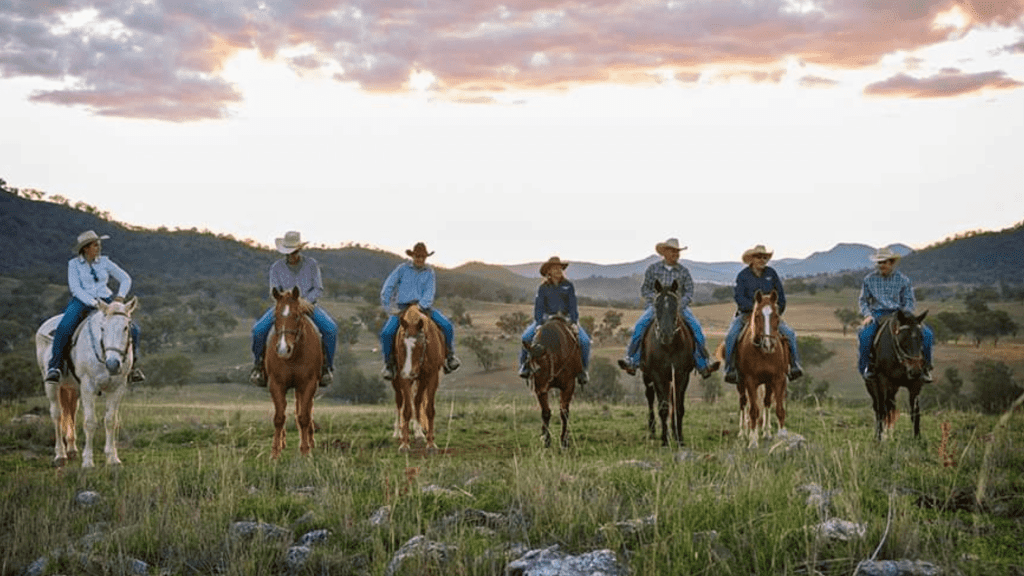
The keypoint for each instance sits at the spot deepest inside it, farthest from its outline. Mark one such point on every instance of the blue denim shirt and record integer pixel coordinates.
(883, 294)
(88, 282)
(306, 276)
(408, 284)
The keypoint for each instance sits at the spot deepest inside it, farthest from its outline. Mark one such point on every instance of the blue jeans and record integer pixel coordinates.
(532, 329)
(75, 312)
(324, 323)
(387, 333)
(633, 350)
(734, 333)
(867, 335)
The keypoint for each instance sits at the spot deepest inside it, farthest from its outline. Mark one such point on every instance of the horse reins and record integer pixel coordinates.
(901, 354)
(420, 338)
(123, 352)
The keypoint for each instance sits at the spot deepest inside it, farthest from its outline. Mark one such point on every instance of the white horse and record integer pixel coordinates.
(100, 358)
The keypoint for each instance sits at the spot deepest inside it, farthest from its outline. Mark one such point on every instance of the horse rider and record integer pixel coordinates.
(295, 270)
(88, 275)
(413, 282)
(758, 275)
(667, 270)
(555, 296)
(884, 291)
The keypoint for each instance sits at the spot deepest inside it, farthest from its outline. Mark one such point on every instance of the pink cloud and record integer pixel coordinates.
(946, 84)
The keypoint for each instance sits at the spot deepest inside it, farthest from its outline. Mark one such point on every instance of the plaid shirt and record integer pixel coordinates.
(883, 294)
(666, 275)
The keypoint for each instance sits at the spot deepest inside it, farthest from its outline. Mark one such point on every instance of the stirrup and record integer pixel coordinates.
(326, 377)
(53, 375)
(387, 372)
(257, 377)
(136, 376)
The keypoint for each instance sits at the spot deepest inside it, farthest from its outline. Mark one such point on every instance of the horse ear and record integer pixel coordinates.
(419, 324)
(657, 286)
(102, 306)
(774, 297)
(132, 304)
(295, 292)
(275, 293)
(758, 296)
(674, 287)
(920, 318)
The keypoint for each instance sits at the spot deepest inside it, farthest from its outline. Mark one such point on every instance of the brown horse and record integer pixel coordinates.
(419, 355)
(762, 357)
(293, 360)
(667, 362)
(899, 361)
(555, 362)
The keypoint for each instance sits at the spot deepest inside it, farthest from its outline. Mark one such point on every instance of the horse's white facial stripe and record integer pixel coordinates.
(286, 311)
(282, 346)
(767, 313)
(409, 342)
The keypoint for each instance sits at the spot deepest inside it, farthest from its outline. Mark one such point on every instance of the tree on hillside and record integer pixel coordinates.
(994, 386)
(604, 382)
(722, 294)
(373, 317)
(483, 348)
(19, 377)
(513, 323)
(847, 317)
(946, 391)
(813, 351)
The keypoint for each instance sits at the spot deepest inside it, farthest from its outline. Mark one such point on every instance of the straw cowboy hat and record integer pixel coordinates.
(758, 250)
(291, 242)
(420, 249)
(553, 261)
(86, 238)
(884, 254)
(670, 243)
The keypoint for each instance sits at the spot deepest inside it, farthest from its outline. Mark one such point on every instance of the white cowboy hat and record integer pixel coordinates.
(553, 261)
(86, 238)
(670, 243)
(748, 256)
(291, 242)
(884, 254)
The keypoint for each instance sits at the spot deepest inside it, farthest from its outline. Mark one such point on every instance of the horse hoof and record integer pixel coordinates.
(60, 462)
(404, 449)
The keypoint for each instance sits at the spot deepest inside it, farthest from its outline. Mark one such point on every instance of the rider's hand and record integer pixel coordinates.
(867, 320)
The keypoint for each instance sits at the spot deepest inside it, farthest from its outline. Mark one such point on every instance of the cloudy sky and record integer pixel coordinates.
(508, 131)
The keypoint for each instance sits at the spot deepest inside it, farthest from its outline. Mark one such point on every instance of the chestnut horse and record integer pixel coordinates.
(762, 357)
(419, 355)
(99, 362)
(293, 360)
(899, 361)
(555, 362)
(667, 362)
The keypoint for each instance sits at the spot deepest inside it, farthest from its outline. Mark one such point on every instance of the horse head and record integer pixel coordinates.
(764, 321)
(908, 341)
(413, 337)
(666, 311)
(289, 312)
(115, 333)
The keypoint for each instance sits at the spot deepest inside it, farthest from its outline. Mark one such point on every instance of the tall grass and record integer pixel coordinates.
(713, 507)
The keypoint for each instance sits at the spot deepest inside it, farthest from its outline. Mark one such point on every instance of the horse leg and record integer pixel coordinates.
(663, 415)
(396, 384)
(54, 393)
(111, 424)
(780, 399)
(563, 409)
(427, 412)
(69, 408)
(277, 396)
(915, 407)
(304, 416)
(753, 411)
(545, 417)
(405, 414)
(649, 391)
(89, 415)
(679, 402)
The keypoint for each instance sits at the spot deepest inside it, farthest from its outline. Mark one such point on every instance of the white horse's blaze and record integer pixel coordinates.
(767, 313)
(286, 311)
(410, 343)
(282, 347)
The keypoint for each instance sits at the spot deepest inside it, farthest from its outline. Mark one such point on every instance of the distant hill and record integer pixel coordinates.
(976, 258)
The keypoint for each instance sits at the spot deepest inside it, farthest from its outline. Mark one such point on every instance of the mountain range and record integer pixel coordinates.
(35, 235)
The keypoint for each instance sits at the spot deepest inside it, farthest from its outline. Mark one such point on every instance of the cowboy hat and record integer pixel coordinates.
(291, 242)
(420, 249)
(748, 256)
(884, 254)
(86, 238)
(553, 261)
(670, 243)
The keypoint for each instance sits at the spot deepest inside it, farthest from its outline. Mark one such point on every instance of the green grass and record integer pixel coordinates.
(197, 459)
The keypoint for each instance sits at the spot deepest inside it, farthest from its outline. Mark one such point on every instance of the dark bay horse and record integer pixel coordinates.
(555, 362)
(419, 356)
(293, 360)
(667, 362)
(762, 358)
(899, 361)
(100, 359)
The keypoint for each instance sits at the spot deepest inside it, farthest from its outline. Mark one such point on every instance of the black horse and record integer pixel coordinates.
(667, 362)
(899, 361)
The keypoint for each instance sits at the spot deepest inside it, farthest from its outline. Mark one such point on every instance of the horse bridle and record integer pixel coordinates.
(123, 352)
(759, 336)
(679, 318)
(904, 357)
(548, 357)
(421, 338)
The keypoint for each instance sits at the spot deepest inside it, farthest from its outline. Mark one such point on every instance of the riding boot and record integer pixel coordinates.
(53, 375)
(708, 368)
(731, 376)
(795, 371)
(256, 376)
(626, 364)
(136, 376)
(326, 376)
(583, 378)
(451, 363)
(387, 372)
(926, 377)
(869, 373)
(524, 371)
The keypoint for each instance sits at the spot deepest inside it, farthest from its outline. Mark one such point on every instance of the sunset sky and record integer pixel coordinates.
(509, 131)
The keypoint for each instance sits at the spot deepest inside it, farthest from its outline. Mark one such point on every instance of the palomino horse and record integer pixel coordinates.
(99, 362)
(762, 357)
(667, 362)
(555, 362)
(293, 360)
(419, 355)
(899, 362)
